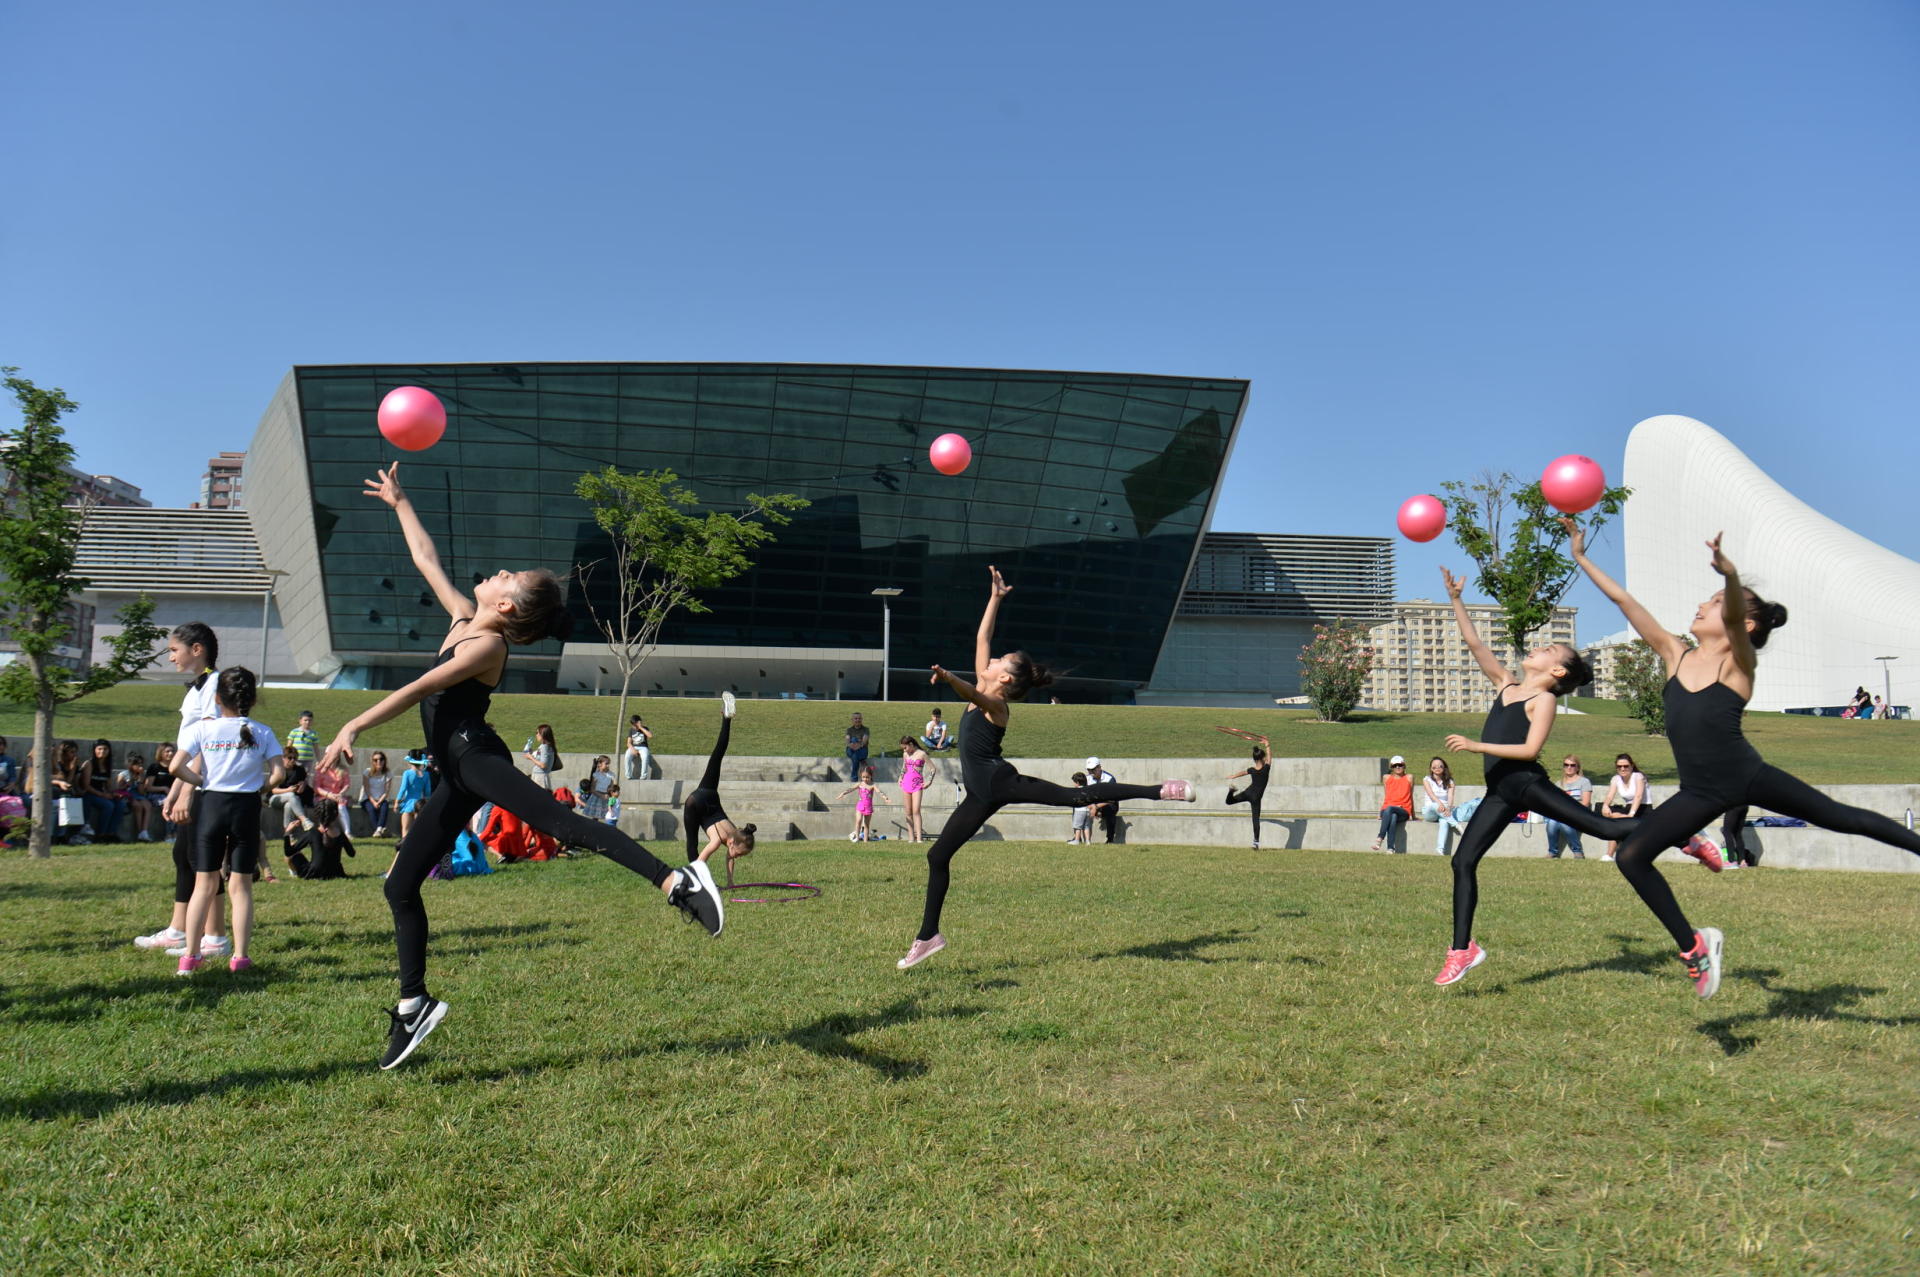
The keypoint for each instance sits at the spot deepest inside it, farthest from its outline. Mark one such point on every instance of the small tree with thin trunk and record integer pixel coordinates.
(1334, 668)
(664, 554)
(1515, 537)
(1640, 677)
(39, 541)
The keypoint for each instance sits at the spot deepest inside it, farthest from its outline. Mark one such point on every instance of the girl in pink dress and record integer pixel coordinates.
(913, 781)
(863, 808)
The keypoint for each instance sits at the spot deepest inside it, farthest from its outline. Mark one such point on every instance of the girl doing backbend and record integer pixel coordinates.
(1517, 727)
(991, 781)
(1707, 691)
(703, 816)
(476, 767)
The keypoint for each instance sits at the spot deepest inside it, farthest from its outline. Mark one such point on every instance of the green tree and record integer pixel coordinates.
(39, 540)
(1515, 538)
(1640, 678)
(664, 554)
(1334, 668)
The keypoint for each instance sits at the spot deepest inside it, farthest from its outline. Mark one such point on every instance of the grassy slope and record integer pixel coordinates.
(1820, 750)
(1242, 1068)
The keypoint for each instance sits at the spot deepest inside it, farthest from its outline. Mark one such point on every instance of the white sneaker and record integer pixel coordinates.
(210, 947)
(1606, 857)
(143, 836)
(726, 704)
(161, 939)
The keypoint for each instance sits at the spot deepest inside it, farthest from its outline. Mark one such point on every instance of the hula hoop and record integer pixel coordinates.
(797, 891)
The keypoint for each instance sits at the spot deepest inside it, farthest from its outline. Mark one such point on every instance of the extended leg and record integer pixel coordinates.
(962, 825)
(1670, 824)
(710, 779)
(1790, 796)
(1489, 821)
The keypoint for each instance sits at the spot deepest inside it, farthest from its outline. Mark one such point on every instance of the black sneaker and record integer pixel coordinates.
(411, 1030)
(697, 897)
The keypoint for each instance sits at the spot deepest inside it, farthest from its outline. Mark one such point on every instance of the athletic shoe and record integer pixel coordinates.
(143, 836)
(696, 896)
(1256, 846)
(1705, 959)
(165, 938)
(1176, 791)
(189, 965)
(726, 704)
(411, 1029)
(1459, 962)
(239, 964)
(921, 951)
(1606, 857)
(1707, 852)
(210, 947)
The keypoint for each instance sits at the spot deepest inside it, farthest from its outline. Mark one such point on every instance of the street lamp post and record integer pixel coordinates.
(886, 594)
(1886, 674)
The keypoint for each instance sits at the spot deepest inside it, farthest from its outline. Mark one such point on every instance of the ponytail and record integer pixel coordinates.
(237, 691)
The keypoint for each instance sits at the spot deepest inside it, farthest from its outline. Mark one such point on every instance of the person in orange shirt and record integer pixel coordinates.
(1396, 808)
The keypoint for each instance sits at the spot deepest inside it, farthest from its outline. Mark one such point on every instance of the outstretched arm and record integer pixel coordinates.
(419, 543)
(469, 661)
(1658, 637)
(983, 640)
(1540, 713)
(991, 705)
(1482, 654)
(1733, 609)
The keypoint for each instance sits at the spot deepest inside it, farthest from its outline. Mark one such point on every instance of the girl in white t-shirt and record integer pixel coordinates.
(194, 650)
(232, 758)
(1626, 793)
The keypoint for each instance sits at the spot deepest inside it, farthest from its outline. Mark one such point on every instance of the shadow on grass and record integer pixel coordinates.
(1631, 960)
(24, 891)
(1187, 950)
(91, 999)
(1829, 1003)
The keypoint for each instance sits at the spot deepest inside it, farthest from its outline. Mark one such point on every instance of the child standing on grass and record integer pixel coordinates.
(914, 763)
(1082, 830)
(505, 609)
(194, 650)
(863, 806)
(231, 758)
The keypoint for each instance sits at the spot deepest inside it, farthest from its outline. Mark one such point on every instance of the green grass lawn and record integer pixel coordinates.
(1128, 1061)
(1823, 751)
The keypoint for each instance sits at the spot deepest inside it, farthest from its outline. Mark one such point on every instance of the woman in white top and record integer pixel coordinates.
(374, 785)
(1626, 793)
(1438, 805)
(544, 754)
(195, 651)
(233, 758)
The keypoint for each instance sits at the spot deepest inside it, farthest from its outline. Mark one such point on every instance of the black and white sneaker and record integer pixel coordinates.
(410, 1030)
(697, 897)
(726, 704)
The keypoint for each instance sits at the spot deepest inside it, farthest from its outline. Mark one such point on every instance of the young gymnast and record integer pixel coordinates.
(991, 781)
(231, 759)
(506, 608)
(1706, 694)
(194, 650)
(914, 766)
(703, 816)
(863, 806)
(1256, 776)
(1515, 733)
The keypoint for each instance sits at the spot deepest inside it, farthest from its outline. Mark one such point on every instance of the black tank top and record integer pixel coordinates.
(1507, 725)
(979, 750)
(1711, 753)
(448, 710)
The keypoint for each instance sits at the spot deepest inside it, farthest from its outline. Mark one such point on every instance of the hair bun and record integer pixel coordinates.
(747, 829)
(1776, 615)
(561, 626)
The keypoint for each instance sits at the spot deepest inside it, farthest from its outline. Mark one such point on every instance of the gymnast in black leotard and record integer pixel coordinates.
(703, 816)
(1516, 730)
(991, 782)
(1707, 691)
(1256, 774)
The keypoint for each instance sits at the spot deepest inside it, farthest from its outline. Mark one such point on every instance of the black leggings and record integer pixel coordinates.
(1691, 810)
(1251, 795)
(1007, 786)
(227, 831)
(478, 769)
(1513, 794)
(702, 808)
(1733, 836)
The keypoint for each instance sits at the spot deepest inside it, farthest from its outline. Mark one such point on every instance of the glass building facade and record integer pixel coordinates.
(1090, 491)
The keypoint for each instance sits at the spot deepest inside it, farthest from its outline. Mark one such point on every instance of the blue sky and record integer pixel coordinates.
(1438, 238)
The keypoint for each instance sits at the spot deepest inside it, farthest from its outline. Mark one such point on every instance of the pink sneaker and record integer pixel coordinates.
(1459, 962)
(1176, 791)
(189, 963)
(1706, 851)
(1704, 960)
(921, 951)
(239, 964)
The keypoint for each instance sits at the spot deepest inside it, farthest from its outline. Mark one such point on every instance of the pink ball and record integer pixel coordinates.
(412, 418)
(950, 454)
(1573, 483)
(1422, 518)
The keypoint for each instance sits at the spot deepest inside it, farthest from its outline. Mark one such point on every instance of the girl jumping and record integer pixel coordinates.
(506, 608)
(1517, 727)
(1256, 776)
(991, 782)
(1707, 691)
(703, 816)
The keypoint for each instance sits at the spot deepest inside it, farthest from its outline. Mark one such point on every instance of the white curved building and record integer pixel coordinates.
(1849, 600)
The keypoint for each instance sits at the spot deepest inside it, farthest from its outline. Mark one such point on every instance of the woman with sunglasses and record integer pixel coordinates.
(1626, 793)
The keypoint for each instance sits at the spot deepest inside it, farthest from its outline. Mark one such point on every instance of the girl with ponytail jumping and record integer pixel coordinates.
(237, 758)
(506, 609)
(194, 650)
(1707, 691)
(991, 781)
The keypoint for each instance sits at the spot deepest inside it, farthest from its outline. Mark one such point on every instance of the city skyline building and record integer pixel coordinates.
(222, 486)
(1421, 663)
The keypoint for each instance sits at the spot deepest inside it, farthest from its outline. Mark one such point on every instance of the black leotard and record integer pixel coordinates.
(1710, 751)
(1256, 783)
(979, 751)
(1508, 725)
(448, 710)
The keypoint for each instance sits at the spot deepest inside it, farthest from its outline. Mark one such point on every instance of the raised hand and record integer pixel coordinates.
(1721, 563)
(1000, 588)
(938, 674)
(386, 485)
(1454, 584)
(341, 749)
(1576, 535)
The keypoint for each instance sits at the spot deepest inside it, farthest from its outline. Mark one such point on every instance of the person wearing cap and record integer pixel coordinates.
(1107, 813)
(1396, 807)
(304, 741)
(415, 785)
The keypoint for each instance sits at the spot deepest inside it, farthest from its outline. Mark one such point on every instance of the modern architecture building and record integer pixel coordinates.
(1851, 601)
(1250, 605)
(87, 489)
(1089, 490)
(221, 487)
(1421, 663)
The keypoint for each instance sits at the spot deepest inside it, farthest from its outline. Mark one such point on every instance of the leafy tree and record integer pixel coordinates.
(1516, 539)
(1334, 668)
(1640, 677)
(39, 539)
(664, 554)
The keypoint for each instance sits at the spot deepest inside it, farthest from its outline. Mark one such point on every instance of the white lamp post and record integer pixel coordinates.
(1886, 672)
(886, 594)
